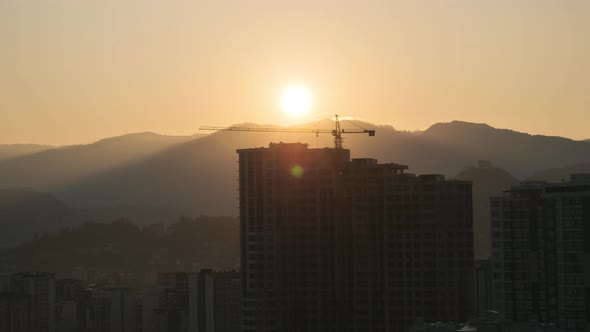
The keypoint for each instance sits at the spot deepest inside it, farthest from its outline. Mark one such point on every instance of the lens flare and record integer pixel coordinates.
(297, 171)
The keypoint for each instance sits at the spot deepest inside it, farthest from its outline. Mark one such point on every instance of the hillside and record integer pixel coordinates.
(185, 245)
(12, 151)
(24, 213)
(520, 154)
(487, 181)
(50, 168)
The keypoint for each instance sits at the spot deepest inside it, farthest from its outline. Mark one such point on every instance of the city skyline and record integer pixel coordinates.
(190, 166)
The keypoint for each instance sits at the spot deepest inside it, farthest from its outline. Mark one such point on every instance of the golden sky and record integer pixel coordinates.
(76, 71)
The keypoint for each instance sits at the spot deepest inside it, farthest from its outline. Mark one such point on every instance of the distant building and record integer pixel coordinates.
(333, 244)
(112, 309)
(483, 287)
(5, 283)
(68, 295)
(174, 312)
(540, 253)
(207, 301)
(227, 304)
(201, 302)
(40, 289)
(68, 289)
(14, 312)
(153, 316)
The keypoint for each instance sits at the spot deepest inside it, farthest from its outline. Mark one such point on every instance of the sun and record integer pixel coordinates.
(296, 100)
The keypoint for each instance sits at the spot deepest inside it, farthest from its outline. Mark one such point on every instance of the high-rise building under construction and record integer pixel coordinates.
(334, 244)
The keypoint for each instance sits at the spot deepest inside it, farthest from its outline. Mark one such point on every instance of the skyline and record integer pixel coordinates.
(347, 123)
(294, 165)
(75, 72)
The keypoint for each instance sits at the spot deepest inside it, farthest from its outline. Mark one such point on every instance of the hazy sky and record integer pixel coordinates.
(76, 71)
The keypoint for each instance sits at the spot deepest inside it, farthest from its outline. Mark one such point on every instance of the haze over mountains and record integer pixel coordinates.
(25, 213)
(487, 181)
(53, 167)
(197, 174)
(11, 151)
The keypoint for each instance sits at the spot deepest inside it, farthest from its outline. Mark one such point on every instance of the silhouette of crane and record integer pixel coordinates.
(336, 132)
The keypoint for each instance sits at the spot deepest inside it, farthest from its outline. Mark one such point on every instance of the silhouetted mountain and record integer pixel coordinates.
(199, 175)
(487, 181)
(51, 168)
(24, 212)
(519, 153)
(11, 151)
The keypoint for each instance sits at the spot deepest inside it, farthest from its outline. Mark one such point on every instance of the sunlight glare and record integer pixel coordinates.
(296, 100)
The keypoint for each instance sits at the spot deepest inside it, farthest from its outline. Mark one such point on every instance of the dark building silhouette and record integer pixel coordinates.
(294, 276)
(14, 312)
(412, 242)
(333, 244)
(166, 304)
(541, 251)
(207, 301)
(68, 296)
(40, 289)
(227, 306)
(483, 288)
(111, 309)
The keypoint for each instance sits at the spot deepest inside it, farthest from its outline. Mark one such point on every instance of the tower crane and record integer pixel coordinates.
(336, 132)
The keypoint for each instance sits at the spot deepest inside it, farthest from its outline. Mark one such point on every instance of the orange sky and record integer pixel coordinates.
(76, 71)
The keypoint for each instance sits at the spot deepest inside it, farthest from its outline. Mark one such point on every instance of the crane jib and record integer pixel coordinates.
(337, 132)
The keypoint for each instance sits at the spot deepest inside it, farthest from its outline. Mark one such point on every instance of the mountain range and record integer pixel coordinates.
(197, 174)
(11, 151)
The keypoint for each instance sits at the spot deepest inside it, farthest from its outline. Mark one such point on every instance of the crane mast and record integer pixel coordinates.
(336, 132)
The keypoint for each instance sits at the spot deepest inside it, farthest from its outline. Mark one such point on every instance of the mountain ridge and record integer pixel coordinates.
(197, 174)
(68, 163)
(12, 151)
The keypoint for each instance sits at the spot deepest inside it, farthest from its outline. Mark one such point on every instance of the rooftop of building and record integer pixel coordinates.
(279, 145)
(356, 163)
(576, 183)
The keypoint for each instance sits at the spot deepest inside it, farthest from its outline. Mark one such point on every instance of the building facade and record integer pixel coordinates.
(291, 276)
(40, 289)
(112, 309)
(484, 304)
(412, 248)
(14, 312)
(541, 253)
(227, 306)
(207, 301)
(334, 244)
